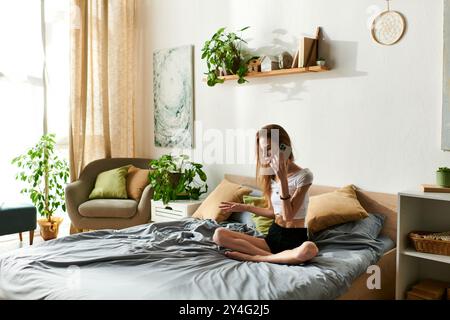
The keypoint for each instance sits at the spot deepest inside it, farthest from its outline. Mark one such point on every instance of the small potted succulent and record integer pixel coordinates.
(443, 177)
(321, 62)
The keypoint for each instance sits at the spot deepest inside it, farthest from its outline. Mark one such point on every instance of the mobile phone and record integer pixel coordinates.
(285, 150)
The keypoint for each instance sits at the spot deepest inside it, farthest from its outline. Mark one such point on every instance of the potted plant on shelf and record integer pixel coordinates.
(443, 177)
(223, 55)
(46, 174)
(175, 178)
(321, 62)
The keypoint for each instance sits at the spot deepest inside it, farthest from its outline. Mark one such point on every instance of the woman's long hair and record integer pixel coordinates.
(268, 131)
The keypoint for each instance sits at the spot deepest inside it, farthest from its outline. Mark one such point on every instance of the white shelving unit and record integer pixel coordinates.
(174, 210)
(420, 211)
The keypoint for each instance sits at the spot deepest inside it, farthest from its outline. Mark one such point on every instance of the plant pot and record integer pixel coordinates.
(49, 230)
(443, 179)
(223, 72)
(321, 63)
(175, 178)
(234, 69)
(183, 196)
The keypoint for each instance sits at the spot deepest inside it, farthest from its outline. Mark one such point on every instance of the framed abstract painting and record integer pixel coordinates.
(173, 94)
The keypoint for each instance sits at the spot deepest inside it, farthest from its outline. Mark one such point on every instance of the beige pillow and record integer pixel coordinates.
(137, 180)
(225, 191)
(334, 208)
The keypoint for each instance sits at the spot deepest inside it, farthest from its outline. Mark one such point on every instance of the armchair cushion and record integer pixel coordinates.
(111, 184)
(225, 191)
(108, 208)
(137, 180)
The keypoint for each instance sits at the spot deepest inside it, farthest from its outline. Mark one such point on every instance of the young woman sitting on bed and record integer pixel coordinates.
(286, 186)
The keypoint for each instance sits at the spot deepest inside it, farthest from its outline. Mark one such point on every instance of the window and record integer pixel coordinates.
(22, 83)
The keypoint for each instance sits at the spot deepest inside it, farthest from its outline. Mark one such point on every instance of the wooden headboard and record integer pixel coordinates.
(373, 202)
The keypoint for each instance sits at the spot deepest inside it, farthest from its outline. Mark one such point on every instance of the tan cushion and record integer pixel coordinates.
(225, 191)
(137, 180)
(108, 208)
(334, 208)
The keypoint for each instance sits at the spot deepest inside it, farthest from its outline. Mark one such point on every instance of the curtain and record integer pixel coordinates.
(103, 80)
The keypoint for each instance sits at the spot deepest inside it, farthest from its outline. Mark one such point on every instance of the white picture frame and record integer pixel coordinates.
(173, 93)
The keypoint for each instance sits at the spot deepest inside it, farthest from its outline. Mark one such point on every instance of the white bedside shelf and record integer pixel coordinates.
(174, 210)
(420, 211)
(427, 256)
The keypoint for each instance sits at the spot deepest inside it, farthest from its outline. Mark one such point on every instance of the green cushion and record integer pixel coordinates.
(111, 184)
(262, 224)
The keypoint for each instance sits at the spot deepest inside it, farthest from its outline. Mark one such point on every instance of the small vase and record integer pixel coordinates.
(443, 179)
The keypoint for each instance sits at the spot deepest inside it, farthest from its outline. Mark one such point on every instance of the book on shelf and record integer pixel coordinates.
(307, 53)
(428, 289)
(417, 295)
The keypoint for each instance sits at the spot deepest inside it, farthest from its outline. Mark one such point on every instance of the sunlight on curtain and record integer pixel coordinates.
(21, 82)
(103, 81)
(57, 19)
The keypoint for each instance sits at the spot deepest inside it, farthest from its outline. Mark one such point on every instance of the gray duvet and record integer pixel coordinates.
(178, 260)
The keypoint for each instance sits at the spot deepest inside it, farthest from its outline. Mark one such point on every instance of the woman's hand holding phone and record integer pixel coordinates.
(279, 165)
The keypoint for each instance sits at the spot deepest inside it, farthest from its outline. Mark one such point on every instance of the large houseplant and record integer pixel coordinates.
(45, 175)
(223, 55)
(175, 177)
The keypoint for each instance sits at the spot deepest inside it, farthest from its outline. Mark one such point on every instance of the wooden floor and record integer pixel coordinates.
(12, 242)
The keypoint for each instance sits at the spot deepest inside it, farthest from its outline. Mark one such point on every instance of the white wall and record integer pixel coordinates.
(374, 120)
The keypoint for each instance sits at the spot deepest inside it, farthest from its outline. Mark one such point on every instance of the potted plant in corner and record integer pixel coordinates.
(46, 174)
(175, 178)
(443, 177)
(223, 55)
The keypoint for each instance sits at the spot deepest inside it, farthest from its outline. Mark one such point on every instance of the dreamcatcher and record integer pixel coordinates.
(388, 27)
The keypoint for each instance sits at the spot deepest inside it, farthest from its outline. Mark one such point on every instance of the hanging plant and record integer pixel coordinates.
(223, 55)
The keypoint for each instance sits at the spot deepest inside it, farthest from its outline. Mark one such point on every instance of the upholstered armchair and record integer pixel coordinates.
(105, 213)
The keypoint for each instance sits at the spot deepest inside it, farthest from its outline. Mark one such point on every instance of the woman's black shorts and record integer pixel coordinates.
(279, 239)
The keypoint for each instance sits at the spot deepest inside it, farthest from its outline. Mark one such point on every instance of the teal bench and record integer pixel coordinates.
(17, 218)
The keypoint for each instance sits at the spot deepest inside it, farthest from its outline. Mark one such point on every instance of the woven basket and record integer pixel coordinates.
(429, 245)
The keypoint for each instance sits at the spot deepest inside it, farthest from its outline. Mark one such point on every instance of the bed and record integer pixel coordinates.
(178, 260)
(383, 203)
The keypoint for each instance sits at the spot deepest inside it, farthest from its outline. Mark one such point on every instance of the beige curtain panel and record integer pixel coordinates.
(103, 81)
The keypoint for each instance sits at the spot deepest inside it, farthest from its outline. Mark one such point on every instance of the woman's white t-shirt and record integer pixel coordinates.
(299, 179)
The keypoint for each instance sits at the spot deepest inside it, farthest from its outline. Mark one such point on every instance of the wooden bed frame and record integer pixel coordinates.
(373, 202)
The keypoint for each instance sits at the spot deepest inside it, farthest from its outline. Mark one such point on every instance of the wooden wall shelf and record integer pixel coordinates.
(278, 73)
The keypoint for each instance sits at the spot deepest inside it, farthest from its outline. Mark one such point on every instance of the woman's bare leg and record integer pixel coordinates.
(241, 242)
(303, 253)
